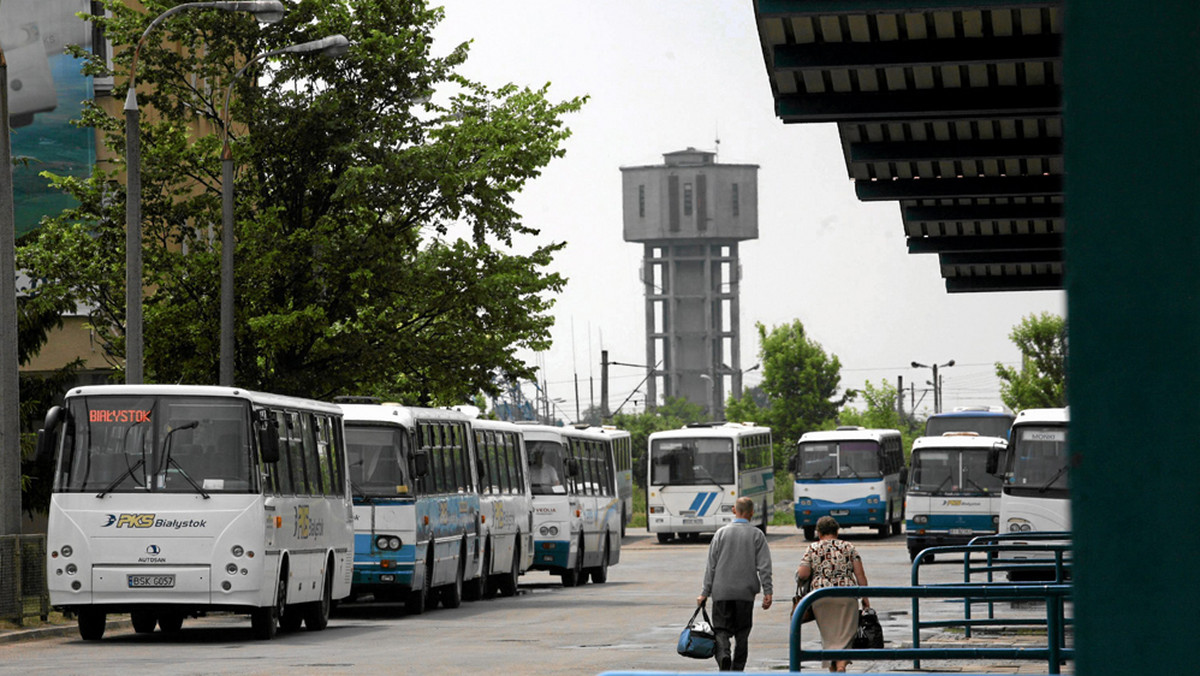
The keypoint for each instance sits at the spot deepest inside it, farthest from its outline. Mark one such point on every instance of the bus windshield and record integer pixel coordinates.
(689, 462)
(1039, 459)
(985, 425)
(378, 457)
(547, 467)
(839, 460)
(952, 471)
(147, 443)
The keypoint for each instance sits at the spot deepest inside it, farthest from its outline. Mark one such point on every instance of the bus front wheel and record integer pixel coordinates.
(91, 624)
(600, 572)
(810, 533)
(264, 622)
(664, 538)
(418, 600)
(143, 621)
(575, 576)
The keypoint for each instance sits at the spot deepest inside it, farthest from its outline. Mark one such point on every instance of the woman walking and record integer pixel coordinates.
(834, 563)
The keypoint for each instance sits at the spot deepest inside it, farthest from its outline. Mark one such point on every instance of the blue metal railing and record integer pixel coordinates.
(1054, 653)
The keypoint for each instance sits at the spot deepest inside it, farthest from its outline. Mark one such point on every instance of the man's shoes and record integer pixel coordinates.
(725, 663)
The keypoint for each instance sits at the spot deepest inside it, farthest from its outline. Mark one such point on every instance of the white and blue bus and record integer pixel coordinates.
(506, 504)
(986, 421)
(854, 474)
(576, 509)
(623, 453)
(417, 520)
(1036, 496)
(696, 473)
(174, 500)
(951, 496)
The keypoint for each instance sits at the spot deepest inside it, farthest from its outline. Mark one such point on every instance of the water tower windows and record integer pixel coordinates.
(673, 203)
(701, 202)
(736, 207)
(687, 199)
(642, 200)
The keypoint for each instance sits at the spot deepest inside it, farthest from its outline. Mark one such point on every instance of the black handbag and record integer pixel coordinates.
(802, 590)
(697, 639)
(870, 632)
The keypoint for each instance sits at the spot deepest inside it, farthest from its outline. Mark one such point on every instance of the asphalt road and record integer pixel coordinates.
(631, 622)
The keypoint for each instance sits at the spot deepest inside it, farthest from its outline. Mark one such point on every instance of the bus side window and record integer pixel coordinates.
(282, 469)
(312, 459)
(516, 468)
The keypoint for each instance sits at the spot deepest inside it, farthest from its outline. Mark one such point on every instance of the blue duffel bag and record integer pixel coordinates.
(697, 639)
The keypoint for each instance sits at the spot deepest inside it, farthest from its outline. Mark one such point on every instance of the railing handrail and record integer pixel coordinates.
(1053, 653)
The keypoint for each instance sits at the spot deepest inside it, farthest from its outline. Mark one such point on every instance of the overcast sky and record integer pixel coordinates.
(669, 74)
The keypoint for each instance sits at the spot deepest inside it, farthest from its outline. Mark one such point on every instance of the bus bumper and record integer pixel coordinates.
(551, 555)
(856, 513)
(679, 524)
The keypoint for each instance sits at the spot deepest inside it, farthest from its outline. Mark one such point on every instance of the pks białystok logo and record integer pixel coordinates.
(130, 520)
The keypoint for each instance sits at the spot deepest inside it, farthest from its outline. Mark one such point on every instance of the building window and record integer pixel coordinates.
(687, 199)
(641, 201)
(736, 206)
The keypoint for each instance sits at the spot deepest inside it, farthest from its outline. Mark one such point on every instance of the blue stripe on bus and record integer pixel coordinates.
(697, 502)
(707, 503)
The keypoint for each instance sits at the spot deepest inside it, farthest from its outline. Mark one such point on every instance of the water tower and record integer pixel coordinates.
(690, 213)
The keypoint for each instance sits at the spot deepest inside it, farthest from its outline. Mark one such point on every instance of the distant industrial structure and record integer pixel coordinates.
(690, 213)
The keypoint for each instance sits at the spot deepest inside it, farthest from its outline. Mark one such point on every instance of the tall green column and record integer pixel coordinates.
(1132, 133)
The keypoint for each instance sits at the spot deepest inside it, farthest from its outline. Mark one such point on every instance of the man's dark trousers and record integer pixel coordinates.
(732, 620)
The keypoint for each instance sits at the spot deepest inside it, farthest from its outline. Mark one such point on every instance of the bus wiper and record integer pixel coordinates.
(713, 481)
(1061, 471)
(972, 482)
(941, 485)
(188, 477)
(127, 473)
(853, 471)
(359, 492)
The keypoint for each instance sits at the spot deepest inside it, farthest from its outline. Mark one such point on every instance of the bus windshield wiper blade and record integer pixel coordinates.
(1061, 471)
(127, 473)
(188, 477)
(942, 485)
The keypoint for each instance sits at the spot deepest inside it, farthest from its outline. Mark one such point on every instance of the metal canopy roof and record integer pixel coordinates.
(953, 109)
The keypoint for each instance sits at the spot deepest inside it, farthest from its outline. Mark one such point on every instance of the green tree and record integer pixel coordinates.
(674, 413)
(881, 413)
(1041, 382)
(354, 177)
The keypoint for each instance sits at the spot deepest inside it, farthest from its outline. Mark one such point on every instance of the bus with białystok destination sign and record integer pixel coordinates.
(174, 500)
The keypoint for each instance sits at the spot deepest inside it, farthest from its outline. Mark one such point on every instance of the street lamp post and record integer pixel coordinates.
(937, 384)
(10, 421)
(712, 386)
(266, 11)
(334, 45)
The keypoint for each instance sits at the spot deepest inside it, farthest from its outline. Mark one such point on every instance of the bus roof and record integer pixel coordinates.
(608, 431)
(488, 424)
(974, 412)
(1053, 416)
(956, 440)
(539, 432)
(264, 398)
(726, 430)
(849, 434)
(399, 415)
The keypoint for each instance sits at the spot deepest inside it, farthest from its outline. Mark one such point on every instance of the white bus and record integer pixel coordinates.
(1035, 490)
(172, 500)
(623, 452)
(506, 505)
(854, 474)
(576, 510)
(951, 496)
(417, 518)
(696, 473)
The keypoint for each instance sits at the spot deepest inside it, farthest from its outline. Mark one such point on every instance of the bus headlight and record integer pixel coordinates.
(71, 569)
(395, 543)
(231, 568)
(921, 519)
(657, 509)
(805, 502)
(726, 509)
(67, 551)
(1019, 526)
(237, 551)
(549, 531)
(873, 500)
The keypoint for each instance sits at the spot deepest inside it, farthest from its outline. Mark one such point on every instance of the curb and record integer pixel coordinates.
(61, 631)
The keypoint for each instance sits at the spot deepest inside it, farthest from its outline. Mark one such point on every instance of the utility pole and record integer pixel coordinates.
(900, 396)
(10, 412)
(604, 385)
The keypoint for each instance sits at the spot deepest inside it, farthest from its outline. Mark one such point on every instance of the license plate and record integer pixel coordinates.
(840, 512)
(961, 531)
(688, 522)
(152, 581)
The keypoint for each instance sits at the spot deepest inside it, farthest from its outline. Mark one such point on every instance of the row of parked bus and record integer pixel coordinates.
(976, 471)
(171, 501)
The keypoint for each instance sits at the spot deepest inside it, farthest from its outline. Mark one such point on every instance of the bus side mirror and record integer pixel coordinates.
(481, 469)
(572, 467)
(268, 437)
(420, 463)
(993, 459)
(46, 435)
(793, 463)
(904, 476)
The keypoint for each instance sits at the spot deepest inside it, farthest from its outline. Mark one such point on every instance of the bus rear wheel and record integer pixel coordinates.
(664, 538)
(507, 584)
(600, 572)
(316, 614)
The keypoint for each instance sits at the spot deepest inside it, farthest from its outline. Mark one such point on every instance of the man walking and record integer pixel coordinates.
(739, 565)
